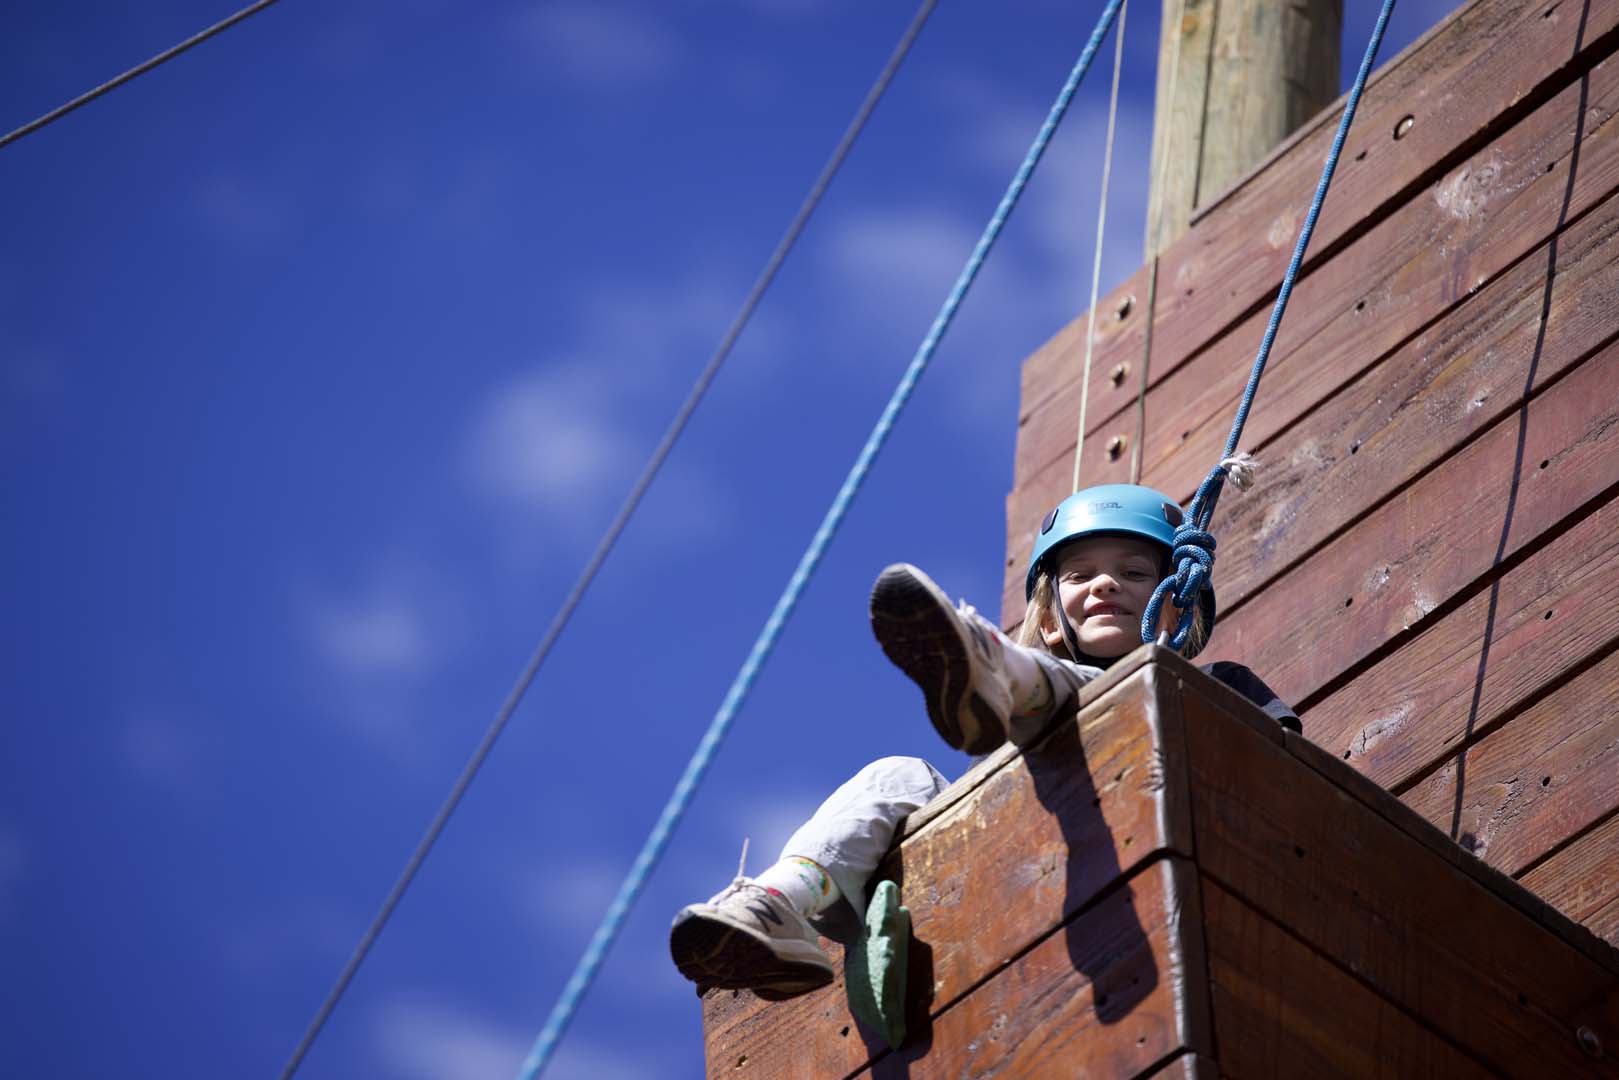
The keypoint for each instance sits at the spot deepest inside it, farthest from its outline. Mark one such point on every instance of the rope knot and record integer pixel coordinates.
(1192, 553)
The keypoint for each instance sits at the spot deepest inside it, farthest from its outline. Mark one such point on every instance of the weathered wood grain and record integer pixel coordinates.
(1496, 496)
(1281, 1009)
(1118, 339)
(1456, 85)
(1480, 662)
(1543, 777)
(1484, 60)
(1044, 1016)
(1074, 837)
(1311, 856)
(1416, 265)
(1582, 880)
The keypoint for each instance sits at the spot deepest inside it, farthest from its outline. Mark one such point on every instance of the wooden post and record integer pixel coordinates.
(1250, 72)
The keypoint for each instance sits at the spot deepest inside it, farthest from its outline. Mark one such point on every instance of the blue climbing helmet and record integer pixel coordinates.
(1111, 510)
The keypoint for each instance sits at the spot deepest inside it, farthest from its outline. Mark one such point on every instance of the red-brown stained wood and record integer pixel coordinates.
(1118, 339)
(1373, 900)
(1543, 777)
(1582, 880)
(1037, 828)
(1384, 576)
(1455, 82)
(1281, 1009)
(1411, 268)
(1411, 408)
(1454, 85)
(1096, 998)
(1482, 661)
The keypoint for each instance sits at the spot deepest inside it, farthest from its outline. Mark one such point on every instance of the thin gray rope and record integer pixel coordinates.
(614, 530)
(1101, 229)
(134, 72)
(674, 810)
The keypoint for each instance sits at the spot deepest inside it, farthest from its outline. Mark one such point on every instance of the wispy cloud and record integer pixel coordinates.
(552, 441)
(382, 631)
(378, 641)
(601, 44)
(418, 1036)
(560, 442)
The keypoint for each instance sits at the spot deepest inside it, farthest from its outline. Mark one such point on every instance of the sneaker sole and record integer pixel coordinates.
(713, 953)
(918, 630)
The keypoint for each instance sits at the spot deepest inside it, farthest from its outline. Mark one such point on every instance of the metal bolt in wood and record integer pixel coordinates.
(1116, 376)
(1115, 447)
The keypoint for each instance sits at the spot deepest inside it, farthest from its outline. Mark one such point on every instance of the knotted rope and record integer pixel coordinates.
(1193, 545)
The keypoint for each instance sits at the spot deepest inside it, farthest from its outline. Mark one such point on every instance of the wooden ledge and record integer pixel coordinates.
(1172, 885)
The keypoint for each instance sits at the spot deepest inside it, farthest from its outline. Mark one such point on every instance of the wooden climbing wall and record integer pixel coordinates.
(1425, 568)
(1170, 885)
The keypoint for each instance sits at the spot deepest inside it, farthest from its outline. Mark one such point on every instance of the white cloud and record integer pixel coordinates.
(552, 441)
(600, 44)
(570, 899)
(378, 639)
(380, 632)
(419, 1037)
(562, 441)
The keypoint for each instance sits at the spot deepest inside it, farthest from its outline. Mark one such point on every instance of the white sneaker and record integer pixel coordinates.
(748, 938)
(955, 656)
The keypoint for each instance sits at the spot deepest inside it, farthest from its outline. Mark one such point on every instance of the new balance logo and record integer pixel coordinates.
(762, 912)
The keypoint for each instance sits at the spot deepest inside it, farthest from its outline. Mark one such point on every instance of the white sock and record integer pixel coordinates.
(1031, 691)
(802, 883)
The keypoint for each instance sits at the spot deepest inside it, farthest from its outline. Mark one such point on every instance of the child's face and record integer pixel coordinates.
(1104, 583)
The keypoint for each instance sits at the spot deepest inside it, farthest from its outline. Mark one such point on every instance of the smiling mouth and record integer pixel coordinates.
(1105, 609)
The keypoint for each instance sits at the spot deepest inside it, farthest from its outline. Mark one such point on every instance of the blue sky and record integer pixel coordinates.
(327, 351)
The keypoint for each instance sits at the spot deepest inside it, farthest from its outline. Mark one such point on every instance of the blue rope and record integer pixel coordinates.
(1193, 544)
(584, 973)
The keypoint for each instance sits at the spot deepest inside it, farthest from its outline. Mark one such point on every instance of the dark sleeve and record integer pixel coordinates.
(1249, 685)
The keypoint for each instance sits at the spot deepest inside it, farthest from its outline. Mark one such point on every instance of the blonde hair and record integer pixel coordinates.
(1039, 607)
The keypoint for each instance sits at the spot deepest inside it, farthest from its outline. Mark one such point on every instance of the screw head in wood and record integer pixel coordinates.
(1116, 376)
(1589, 1042)
(1126, 306)
(1115, 447)
(1405, 125)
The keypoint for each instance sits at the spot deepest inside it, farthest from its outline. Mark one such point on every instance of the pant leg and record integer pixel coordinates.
(851, 832)
(1065, 677)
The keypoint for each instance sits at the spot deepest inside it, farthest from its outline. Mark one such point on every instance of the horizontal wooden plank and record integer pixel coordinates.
(1483, 60)
(1582, 880)
(1096, 998)
(1310, 855)
(1071, 839)
(1540, 779)
(1414, 267)
(1119, 338)
(1482, 661)
(1488, 59)
(1499, 494)
(1281, 1009)
(1408, 821)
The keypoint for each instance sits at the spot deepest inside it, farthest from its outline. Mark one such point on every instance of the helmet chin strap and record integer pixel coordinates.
(1069, 638)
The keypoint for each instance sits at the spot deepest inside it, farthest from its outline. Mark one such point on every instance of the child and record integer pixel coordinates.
(1096, 562)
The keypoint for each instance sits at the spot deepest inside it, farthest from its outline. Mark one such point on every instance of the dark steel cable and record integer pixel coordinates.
(134, 72)
(615, 529)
